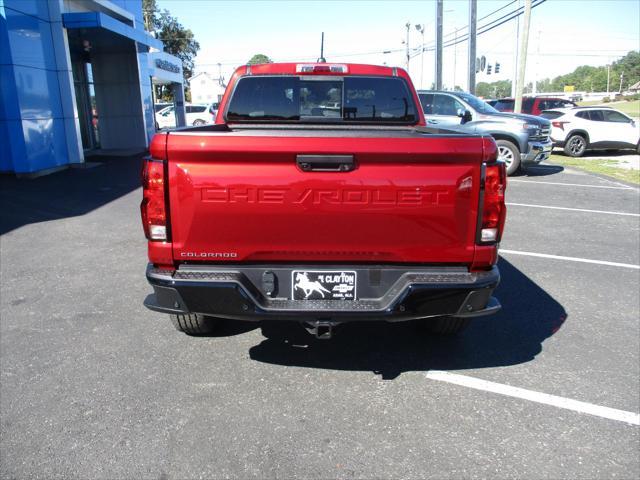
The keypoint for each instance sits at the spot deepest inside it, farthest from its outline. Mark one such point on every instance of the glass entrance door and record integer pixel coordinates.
(86, 101)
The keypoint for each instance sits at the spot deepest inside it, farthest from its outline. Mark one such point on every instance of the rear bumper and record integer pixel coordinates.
(385, 293)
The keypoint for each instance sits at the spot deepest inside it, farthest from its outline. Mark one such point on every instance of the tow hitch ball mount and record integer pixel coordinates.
(321, 329)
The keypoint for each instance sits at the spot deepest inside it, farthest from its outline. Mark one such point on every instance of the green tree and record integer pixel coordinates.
(177, 39)
(594, 79)
(259, 58)
(498, 89)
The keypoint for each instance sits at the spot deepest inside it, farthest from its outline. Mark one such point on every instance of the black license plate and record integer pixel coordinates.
(323, 285)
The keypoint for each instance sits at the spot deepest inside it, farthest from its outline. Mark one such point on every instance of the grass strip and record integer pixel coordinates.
(600, 166)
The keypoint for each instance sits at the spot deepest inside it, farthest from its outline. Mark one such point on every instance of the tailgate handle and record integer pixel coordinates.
(325, 163)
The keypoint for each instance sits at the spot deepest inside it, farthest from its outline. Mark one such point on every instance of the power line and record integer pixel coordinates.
(487, 28)
(356, 54)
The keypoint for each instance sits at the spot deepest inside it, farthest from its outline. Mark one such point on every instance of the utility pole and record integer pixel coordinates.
(473, 20)
(621, 77)
(439, 9)
(608, 76)
(522, 64)
(408, 25)
(514, 80)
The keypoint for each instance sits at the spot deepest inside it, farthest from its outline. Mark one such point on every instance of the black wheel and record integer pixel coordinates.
(575, 146)
(446, 325)
(194, 323)
(509, 154)
(198, 123)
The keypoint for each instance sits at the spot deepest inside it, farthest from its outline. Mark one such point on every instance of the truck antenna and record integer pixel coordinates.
(322, 59)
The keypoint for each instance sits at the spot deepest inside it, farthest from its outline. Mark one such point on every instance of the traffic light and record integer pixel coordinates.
(497, 67)
(488, 69)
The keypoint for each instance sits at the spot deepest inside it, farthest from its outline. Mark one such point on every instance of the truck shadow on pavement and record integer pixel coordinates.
(68, 193)
(514, 335)
(540, 171)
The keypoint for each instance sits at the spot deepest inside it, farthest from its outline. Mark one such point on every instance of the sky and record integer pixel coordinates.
(564, 34)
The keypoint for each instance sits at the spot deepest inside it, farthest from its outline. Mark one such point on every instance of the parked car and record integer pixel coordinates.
(522, 140)
(592, 128)
(296, 207)
(196, 114)
(532, 105)
(161, 106)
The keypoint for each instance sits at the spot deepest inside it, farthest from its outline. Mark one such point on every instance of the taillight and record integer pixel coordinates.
(494, 210)
(559, 125)
(152, 208)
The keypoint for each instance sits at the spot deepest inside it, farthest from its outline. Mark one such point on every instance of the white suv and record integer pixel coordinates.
(582, 128)
(196, 114)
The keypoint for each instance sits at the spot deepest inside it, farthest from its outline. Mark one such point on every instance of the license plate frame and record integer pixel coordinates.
(324, 284)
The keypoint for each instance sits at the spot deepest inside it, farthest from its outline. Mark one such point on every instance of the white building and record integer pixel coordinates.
(205, 88)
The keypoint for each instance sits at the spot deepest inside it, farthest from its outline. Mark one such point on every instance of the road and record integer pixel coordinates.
(93, 385)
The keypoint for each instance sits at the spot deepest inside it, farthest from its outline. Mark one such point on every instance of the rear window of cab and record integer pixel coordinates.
(322, 99)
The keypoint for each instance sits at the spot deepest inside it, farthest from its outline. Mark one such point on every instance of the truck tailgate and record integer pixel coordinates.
(241, 196)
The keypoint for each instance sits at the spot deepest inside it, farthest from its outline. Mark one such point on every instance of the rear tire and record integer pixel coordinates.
(575, 146)
(446, 325)
(199, 123)
(509, 154)
(194, 323)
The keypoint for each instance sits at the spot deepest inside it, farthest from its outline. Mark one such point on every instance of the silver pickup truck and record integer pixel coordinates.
(522, 139)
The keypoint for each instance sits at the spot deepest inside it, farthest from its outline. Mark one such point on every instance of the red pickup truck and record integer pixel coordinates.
(531, 105)
(320, 196)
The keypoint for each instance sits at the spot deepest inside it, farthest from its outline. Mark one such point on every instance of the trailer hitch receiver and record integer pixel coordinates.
(321, 329)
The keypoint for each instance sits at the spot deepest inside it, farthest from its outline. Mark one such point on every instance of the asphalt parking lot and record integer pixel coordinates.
(93, 385)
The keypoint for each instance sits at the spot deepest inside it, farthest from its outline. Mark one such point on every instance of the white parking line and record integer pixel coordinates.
(574, 209)
(538, 397)
(570, 259)
(516, 180)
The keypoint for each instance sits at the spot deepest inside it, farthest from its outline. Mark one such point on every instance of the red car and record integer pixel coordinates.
(532, 105)
(320, 196)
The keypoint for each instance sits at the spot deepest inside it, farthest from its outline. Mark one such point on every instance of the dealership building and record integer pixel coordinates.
(76, 79)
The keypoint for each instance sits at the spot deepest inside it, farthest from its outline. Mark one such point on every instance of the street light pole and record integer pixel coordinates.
(535, 70)
(420, 28)
(455, 54)
(408, 25)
